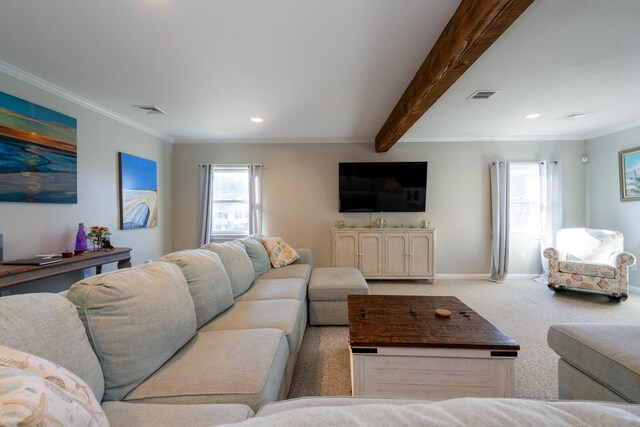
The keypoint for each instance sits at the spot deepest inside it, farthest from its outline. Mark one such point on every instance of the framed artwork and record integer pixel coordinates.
(629, 174)
(38, 153)
(138, 192)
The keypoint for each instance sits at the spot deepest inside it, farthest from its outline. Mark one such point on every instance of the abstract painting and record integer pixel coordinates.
(629, 174)
(38, 153)
(138, 192)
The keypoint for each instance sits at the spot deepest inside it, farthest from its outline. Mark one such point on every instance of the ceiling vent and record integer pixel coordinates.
(483, 94)
(149, 109)
(576, 116)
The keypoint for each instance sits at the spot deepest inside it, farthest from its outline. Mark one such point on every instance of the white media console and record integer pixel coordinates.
(386, 253)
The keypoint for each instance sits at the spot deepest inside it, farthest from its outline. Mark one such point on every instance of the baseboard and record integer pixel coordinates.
(478, 276)
(463, 276)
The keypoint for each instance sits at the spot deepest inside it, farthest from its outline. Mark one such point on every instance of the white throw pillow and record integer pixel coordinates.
(280, 254)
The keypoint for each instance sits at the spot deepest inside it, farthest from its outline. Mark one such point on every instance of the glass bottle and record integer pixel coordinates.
(81, 239)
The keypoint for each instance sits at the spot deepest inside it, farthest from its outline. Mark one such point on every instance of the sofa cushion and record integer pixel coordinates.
(283, 314)
(280, 253)
(592, 269)
(237, 263)
(240, 366)
(300, 271)
(136, 319)
(456, 412)
(27, 399)
(48, 326)
(265, 289)
(257, 253)
(606, 352)
(208, 282)
(335, 283)
(125, 414)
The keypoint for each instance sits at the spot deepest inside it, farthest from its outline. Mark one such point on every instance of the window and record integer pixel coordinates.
(232, 205)
(525, 212)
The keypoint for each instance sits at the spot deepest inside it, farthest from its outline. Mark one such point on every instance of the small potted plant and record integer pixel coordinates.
(98, 234)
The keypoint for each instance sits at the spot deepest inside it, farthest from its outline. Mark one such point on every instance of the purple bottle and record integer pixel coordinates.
(81, 239)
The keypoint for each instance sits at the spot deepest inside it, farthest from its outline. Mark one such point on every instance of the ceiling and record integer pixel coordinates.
(325, 71)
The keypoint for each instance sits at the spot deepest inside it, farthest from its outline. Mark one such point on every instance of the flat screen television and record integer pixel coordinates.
(383, 187)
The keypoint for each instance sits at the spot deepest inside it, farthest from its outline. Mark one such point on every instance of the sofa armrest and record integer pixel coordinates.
(306, 256)
(622, 261)
(554, 255)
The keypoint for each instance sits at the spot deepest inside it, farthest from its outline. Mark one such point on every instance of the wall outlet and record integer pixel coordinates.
(521, 257)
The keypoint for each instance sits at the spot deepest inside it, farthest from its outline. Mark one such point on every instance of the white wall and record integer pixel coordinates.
(301, 191)
(31, 228)
(604, 208)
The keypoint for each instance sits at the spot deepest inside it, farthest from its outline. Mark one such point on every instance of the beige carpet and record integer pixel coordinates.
(523, 309)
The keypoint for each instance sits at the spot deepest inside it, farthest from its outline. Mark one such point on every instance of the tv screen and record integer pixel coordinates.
(383, 187)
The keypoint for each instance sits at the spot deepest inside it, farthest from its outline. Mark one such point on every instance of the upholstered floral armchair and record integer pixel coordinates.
(590, 259)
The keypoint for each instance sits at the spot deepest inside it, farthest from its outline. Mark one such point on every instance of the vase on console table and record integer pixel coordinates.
(81, 240)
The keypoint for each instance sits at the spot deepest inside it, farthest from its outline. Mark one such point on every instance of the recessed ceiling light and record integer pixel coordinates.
(533, 116)
(257, 119)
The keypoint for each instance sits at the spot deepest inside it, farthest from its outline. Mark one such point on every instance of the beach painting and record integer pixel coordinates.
(38, 153)
(138, 192)
(629, 174)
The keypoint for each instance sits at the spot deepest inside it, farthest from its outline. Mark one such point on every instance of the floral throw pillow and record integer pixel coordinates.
(35, 390)
(280, 254)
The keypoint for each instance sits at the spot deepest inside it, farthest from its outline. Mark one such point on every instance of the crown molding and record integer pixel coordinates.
(32, 80)
(520, 138)
(274, 141)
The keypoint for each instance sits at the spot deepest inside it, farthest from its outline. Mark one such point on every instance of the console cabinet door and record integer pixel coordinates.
(371, 254)
(345, 249)
(396, 254)
(421, 256)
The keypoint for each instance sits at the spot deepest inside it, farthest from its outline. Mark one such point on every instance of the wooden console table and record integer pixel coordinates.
(12, 275)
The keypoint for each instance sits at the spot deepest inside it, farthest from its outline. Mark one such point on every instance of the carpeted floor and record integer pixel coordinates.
(523, 309)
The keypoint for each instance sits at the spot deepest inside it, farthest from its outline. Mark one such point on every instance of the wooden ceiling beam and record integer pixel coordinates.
(474, 26)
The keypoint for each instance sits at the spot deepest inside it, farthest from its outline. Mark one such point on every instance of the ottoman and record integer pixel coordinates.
(328, 290)
(599, 361)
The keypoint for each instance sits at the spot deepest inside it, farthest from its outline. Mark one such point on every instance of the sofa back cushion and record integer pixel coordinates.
(208, 282)
(48, 326)
(136, 319)
(257, 253)
(237, 263)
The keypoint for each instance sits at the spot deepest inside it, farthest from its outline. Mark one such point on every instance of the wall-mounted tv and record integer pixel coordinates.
(383, 187)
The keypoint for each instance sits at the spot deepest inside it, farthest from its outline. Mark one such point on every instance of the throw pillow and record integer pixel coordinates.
(280, 254)
(257, 253)
(35, 389)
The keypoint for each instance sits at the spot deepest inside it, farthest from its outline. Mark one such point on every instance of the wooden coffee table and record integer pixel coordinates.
(399, 348)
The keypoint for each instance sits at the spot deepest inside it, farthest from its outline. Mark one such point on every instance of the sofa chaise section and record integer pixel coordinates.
(599, 361)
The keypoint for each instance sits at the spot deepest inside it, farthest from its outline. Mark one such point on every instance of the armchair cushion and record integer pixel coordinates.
(589, 269)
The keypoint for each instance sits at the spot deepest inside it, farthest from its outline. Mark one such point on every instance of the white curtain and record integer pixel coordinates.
(550, 209)
(206, 208)
(255, 199)
(499, 171)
